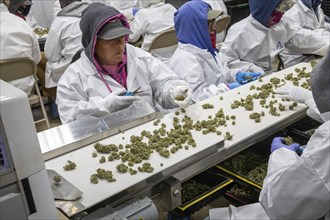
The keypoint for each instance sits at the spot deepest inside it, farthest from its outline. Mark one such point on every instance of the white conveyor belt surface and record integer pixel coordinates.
(244, 129)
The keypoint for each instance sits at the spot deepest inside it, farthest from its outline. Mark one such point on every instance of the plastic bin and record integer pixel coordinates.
(237, 9)
(306, 126)
(326, 7)
(262, 150)
(217, 184)
(42, 42)
(236, 198)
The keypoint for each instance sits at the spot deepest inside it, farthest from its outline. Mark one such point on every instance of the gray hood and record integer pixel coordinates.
(75, 9)
(320, 83)
(92, 20)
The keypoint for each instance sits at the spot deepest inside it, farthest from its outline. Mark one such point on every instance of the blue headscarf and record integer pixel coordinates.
(261, 10)
(190, 22)
(312, 4)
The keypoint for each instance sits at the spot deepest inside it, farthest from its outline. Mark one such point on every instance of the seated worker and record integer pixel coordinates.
(152, 19)
(17, 40)
(126, 7)
(312, 35)
(296, 187)
(108, 66)
(196, 60)
(218, 5)
(63, 41)
(254, 42)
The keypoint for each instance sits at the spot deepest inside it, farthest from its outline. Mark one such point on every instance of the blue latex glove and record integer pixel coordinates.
(134, 10)
(277, 144)
(245, 77)
(233, 85)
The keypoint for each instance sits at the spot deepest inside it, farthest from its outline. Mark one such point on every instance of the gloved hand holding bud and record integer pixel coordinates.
(245, 77)
(277, 144)
(115, 102)
(181, 95)
(295, 94)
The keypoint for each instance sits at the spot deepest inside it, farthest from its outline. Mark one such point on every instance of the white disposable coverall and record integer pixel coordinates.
(205, 74)
(63, 41)
(81, 91)
(149, 22)
(218, 5)
(18, 40)
(124, 6)
(298, 187)
(312, 34)
(250, 46)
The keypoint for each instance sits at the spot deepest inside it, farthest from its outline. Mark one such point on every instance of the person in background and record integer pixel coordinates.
(63, 41)
(17, 40)
(196, 60)
(152, 19)
(299, 187)
(95, 84)
(126, 7)
(312, 35)
(218, 5)
(254, 42)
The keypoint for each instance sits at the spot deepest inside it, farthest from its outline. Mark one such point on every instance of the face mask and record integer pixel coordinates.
(213, 36)
(275, 18)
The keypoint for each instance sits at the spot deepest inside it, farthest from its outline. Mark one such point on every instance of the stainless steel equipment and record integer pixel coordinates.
(166, 178)
(24, 187)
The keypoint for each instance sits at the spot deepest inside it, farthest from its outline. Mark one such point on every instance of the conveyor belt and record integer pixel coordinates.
(208, 152)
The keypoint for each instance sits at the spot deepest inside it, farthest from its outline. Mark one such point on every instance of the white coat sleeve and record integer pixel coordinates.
(73, 103)
(162, 81)
(298, 188)
(189, 69)
(36, 55)
(137, 29)
(313, 111)
(307, 41)
(57, 8)
(230, 55)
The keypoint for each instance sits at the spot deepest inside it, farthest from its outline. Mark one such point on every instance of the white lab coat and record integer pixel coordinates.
(312, 34)
(124, 6)
(298, 187)
(218, 5)
(80, 91)
(206, 77)
(149, 22)
(250, 46)
(63, 41)
(18, 40)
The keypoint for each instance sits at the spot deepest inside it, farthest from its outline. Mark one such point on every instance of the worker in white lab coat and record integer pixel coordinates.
(63, 40)
(218, 5)
(126, 7)
(17, 40)
(296, 187)
(299, 187)
(312, 35)
(95, 84)
(254, 42)
(152, 19)
(196, 60)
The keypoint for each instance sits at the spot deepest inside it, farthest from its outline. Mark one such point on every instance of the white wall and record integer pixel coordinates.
(43, 12)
